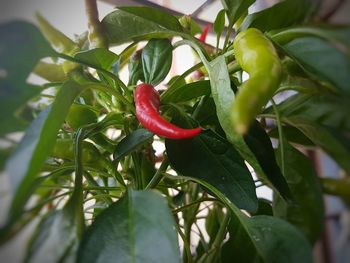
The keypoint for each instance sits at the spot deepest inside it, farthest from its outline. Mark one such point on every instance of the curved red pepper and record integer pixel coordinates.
(147, 103)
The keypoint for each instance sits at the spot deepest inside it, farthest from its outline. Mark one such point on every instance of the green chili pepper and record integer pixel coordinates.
(258, 57)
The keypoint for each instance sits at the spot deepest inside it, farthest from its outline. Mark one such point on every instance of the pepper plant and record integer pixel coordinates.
(86, 166)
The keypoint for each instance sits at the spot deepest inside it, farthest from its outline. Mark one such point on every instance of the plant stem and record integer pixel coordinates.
(211, 254)
(186, 244)
(159, 174)
(97, 37)
(180, 209)
(280, 135)
(228, 33)
(137, 169)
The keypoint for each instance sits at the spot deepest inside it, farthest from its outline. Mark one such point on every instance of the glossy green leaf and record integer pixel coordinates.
(219, 23)
(154, 14)
(283, 14)
(333, 143)
(259, 143)
(326, 109)
(186, 92)
(175, 82)
(321, 59)
(131, 143)
(306, 211)
(21, 47)
(29, 156)
(156, 58)
(137, 228)
(139, 23)
(98, 57)
(223, 97)
(265, 239)
(236, 8)
(212, 159)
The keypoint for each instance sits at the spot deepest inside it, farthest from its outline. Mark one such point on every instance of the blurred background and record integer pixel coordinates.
(69, 17)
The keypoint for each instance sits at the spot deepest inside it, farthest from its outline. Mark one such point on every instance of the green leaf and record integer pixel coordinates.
(98, 57)
(259, 143)
(332, 142)
(292, 135)
(213, 221)
(265, 239)
(57, 39)
(205, 115)
(125, 56)
(156, 60)
(139, 23)
(325, 109)
(339, 35)
(21, 47)
(55, 238)
(195, 28)
(321, 59)
(135, 69)
(186, 92)
(306, 211)
(50, 72)
(219, 23)
(39, 140)
(259, 238)
(212, 159)
(223, 97)
(283, 14)
(137, 228)
(265, 208)
(156, 15)
(131, 143)
(236, 8)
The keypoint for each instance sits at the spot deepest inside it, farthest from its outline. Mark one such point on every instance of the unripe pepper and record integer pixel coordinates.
(147, 103)
(257, 56)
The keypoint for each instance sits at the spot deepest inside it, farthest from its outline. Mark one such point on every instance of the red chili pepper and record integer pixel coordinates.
(147, 102)
(204, 34)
